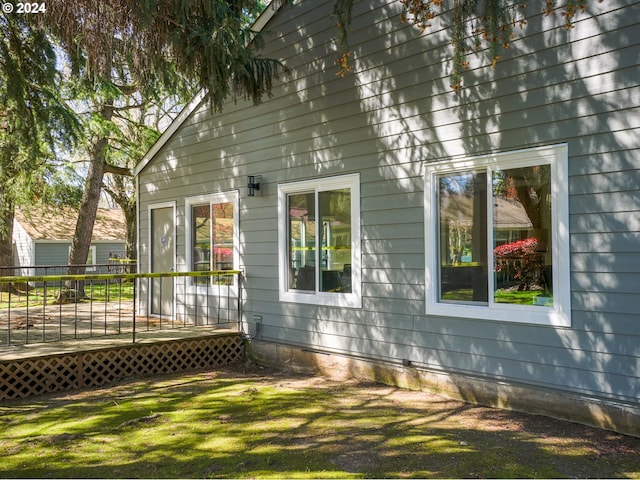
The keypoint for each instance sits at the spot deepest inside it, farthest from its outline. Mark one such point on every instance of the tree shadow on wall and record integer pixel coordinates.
(396, 112)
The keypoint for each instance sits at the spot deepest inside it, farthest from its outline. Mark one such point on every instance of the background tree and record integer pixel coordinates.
(118, 128)
(33, 120)
(137, 126)
(122, 48)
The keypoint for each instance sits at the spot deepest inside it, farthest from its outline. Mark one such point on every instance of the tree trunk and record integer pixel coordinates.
(119, 189)
(90, 200)
(130, 217)
(7, 211)
(88, 209)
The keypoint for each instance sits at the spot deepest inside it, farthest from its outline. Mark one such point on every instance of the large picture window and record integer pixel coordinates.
(212, 235)
(497, 243)
(319, 241)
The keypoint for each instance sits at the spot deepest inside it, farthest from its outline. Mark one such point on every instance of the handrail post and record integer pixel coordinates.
(240, 282)
(195, 298)
(44, 309)
(26, 323)
(135, 283)
(8, 314)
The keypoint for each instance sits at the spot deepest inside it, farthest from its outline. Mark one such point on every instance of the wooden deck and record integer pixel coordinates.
(38, 368)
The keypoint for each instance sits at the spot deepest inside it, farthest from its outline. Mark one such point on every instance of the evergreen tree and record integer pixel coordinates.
(33, 119)
(122, 49)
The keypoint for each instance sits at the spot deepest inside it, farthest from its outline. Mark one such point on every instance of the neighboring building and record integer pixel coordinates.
(485, 244)
(43, 238)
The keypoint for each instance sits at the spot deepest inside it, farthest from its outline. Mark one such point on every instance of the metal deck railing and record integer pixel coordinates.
(51, 308)
(115, 265)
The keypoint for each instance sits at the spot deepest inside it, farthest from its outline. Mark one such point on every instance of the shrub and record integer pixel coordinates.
(525, 258)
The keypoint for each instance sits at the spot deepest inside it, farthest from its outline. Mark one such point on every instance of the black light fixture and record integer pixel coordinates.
(253, 185)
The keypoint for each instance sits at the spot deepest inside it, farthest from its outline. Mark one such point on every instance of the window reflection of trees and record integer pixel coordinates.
(521, 212)
(212, 238)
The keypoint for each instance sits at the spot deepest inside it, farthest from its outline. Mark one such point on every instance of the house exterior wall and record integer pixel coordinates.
(385, 122)
(104, 250)
(52, 253)
(56, 253)
(43, 238)
(23, 252)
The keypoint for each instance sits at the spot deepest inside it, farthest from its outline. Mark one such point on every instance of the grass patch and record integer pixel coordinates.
(524, 297)
(99, 292)
(514, 297)
(256, 423)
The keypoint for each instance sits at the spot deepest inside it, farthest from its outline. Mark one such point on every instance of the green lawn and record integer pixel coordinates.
(98, 292)
(525, 297)
(256, 423)
(514, 297)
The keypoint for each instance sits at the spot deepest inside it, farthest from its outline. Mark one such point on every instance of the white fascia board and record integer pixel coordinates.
(200, 97)
(266, 15)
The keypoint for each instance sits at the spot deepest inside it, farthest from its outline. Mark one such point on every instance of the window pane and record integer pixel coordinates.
(522, 236)
(302, 241)
(201, 236)
(222, 219)
(462, 217)
(335, 260)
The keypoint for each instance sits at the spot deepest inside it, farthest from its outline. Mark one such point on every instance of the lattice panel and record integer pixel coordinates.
(24, 378)
(105, 366)
(36, 376)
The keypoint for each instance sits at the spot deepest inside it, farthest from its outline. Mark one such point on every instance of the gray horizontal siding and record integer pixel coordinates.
(596, 323)
(610, 222)
(58, 253)
(604, 162)
(606, 262)
(552, 86)
(103, 251)
(607, 283)
(621, 201)
(623, 243)
(52, 253)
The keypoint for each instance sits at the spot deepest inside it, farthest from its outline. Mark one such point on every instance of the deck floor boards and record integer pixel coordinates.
(34, 350)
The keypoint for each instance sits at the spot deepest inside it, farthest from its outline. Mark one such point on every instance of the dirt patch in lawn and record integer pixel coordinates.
(252, 422)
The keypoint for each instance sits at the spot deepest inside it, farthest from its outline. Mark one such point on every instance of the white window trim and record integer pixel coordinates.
(558, 315)
(232, 197)
(336, 299)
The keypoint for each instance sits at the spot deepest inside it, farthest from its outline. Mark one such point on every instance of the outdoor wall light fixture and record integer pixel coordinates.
(253, 185)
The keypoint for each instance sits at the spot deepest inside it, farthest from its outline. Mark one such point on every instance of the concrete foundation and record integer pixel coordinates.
(601, 413)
